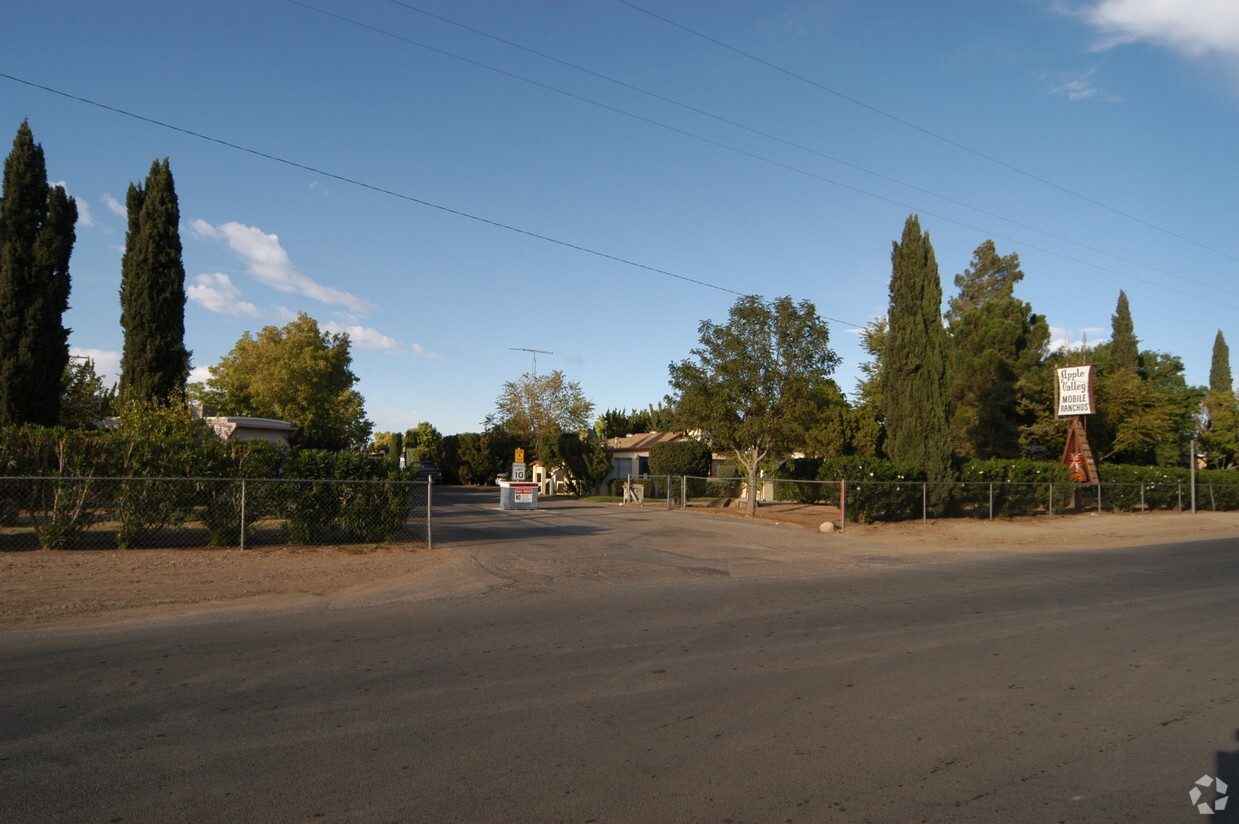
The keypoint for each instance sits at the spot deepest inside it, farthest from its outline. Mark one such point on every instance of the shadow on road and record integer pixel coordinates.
(1227, 770)
(472, 515)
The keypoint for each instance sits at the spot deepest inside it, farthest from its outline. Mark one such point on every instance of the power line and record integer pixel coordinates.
(506, 226)
(768, 160)
(929, 133)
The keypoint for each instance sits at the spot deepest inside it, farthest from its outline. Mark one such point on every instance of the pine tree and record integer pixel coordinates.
(995, 344)
(990, 277)
(36, 241)
(1219, 370)
(1124, 347)
(154, 363)
(913, 372)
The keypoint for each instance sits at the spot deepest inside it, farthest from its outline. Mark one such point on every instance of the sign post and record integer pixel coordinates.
(1073, 392)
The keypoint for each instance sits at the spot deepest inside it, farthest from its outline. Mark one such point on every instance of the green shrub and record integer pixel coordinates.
(343, 496)
(800, 469)
(877, 489)
(687, 457)
(221, 513)
(1019, 486)
(1123, 486)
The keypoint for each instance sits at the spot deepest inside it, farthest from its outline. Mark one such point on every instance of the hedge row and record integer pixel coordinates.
(878, 489)
(113, 476)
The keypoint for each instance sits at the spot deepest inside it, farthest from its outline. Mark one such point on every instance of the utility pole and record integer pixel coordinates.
(1192, 463)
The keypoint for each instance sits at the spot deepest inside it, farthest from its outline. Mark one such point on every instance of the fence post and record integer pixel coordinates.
(429, 536)
(924, 501)
(683, 491)
(843, 504)
(991, 500)
(1180, 486)
(1099, 497)
(1142, 509)
(242, 513)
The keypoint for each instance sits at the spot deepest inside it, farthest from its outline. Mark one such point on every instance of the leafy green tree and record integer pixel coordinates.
(294, 373)
(1146, 415)
(913, 373)
(84, 399)
(687, 457)
(423, 442)
(618, 423)
(159, 439)
(868, 431)
(154, 362)
(995, 342)
(477, 457)
(538, 408)
(586, 461)
(751, 384)
(36, 239)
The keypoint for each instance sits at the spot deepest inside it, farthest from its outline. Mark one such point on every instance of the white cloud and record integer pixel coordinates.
(115, 206)
(1073, 339)
(422, 353)
(267, 262)
(84, 216)
(1083, 87)
(363, 337)
(216, 293)
(107, 364)
(1193, 27)
(200, 374)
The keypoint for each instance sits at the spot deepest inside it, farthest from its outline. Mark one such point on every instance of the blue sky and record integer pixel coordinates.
(449, 182)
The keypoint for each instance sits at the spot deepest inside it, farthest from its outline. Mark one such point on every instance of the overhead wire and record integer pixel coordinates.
(450, 210)
(747, 128)
(375, 188)
(789, 167)
(544, 237)
(928, 132)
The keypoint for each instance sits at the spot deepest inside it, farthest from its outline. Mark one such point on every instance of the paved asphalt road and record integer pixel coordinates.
(598, 665)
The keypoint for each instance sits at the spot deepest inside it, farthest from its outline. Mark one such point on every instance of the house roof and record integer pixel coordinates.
(643, 441)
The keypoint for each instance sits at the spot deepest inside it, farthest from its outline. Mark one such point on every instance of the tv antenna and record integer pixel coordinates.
(535, 353)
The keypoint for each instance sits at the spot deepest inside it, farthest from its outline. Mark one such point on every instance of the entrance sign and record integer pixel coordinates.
(1075, 391)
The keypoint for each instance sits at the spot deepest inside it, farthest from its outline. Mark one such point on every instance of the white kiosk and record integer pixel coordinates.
(518, 493)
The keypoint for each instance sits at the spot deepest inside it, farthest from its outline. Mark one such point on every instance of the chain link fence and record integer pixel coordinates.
(132, 513)
(905, 500)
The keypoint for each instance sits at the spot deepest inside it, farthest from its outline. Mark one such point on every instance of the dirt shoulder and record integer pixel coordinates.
(45, 588)
(48, 588)
(959, 537)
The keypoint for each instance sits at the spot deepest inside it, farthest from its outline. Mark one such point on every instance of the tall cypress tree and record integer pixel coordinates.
(36, 240)
(1219, 370)
(1124, 347)
(1221, 436)
(914, 370)
(154, 363)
